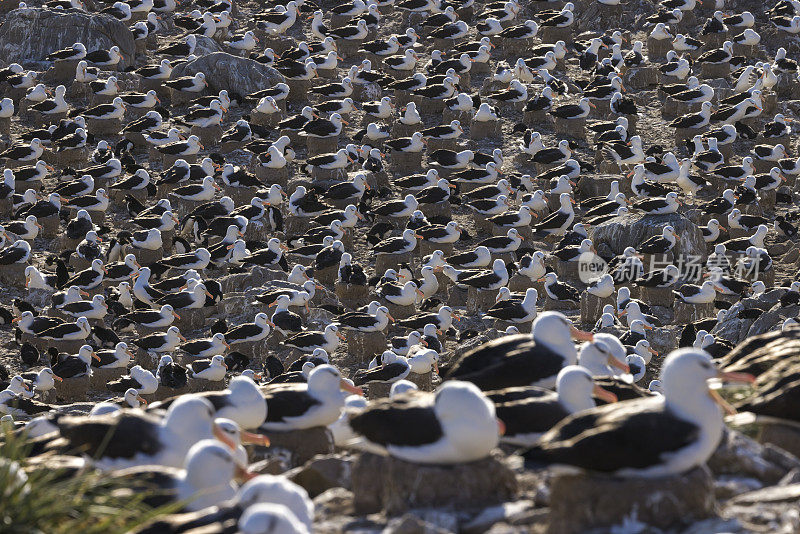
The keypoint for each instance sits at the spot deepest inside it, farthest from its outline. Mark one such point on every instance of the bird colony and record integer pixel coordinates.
(406, 265)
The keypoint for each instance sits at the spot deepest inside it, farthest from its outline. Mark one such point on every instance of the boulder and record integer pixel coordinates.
(206, 45)
(73, 389)
(582, 502)
(741, 456)
(56, 29)
(322, 473)
(239, 307)
(774, 494)
(269, 466)
(333, 503)
(509, 512)
(733, 328)
(767, 320)
(255, 278)
(792, 477)
(296, 446)
(423, 522)
(465, 346)
(595, 185)
(396, 486)
(736, 329)
(630, 230)
(235, 74)
(785, 437)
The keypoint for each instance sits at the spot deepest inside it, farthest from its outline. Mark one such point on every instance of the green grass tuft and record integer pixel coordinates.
(45, 498)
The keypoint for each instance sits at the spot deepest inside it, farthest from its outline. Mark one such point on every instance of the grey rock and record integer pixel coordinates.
(785, 86)
(765, 322)
(664, 339)
(269, 466)
(299, 446)
(257, 277)
(781, 443)
(792, 477)
(395, 486)
(581, 502)
(468, 345)
(733, 328)
(631, 230)
(604, 250)
(772, 494)
(779, 249)
(206, 45)
(726, 487)
(225, 71)
(734, 331)
(322, 473)
(336, 500)
(715, 524)
(768, 298)
(412, 524)
(594, 185)
(238, 306)
(741, 456)
(435, 520)
(506, 513)
(791, 255)
(718, 83)
(781, 457)
(39, 297)
(57, 29)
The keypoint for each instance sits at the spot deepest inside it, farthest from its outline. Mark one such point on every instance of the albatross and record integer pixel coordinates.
(652, 437)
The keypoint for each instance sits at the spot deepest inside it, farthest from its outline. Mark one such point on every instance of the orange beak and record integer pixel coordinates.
(256, 439)
(580, 335)
(729, 377)
(740, 378)
(604, 394)
(345, 386)
(501, 428)
(618, 364)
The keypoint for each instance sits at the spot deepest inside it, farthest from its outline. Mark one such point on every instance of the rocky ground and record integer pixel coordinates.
(757, 487)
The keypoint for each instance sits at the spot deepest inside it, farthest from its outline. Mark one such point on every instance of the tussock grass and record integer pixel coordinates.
(48, 497)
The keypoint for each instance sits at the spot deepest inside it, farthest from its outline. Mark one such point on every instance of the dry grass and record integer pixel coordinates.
(43, 499)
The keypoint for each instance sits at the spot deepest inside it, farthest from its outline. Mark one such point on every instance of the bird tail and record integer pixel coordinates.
(358, 378)
(535, 458)
(158, 269)
(261, 131)
(609, 154)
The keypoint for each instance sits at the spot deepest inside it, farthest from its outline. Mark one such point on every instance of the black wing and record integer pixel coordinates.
(287, 401)
(615, 436)
(402, 421)
(480, 357)
(382, 373)
(533, 415)
(113, 436)
(218, 399)
(500, 364)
